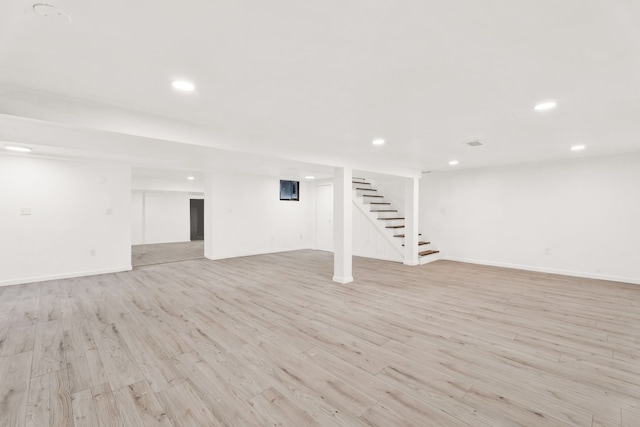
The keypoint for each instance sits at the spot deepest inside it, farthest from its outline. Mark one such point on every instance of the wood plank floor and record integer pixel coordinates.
(271, 340)
(166, 252)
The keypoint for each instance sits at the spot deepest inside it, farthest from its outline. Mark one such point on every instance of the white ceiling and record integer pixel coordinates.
(317, 81)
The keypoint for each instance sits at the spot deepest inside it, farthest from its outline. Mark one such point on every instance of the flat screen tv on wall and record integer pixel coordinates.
(289, 190)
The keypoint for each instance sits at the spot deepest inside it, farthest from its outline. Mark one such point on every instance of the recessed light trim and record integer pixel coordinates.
(453, 162)
(378, 141)
(547, 105)
(578, 147)
(191, 178)
(52, 12)
(17, 148)
(183, 85)
(309, 177)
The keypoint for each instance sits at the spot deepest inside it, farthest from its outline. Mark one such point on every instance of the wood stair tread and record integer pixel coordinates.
(358, 187)
(421, 243)
(429, 252)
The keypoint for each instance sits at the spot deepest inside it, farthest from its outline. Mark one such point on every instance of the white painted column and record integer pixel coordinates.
(411, 223)
(144, 222)
(342, 227)
(209, 230)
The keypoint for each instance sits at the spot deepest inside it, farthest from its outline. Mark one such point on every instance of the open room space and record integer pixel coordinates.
(270, 340)
(411, 213)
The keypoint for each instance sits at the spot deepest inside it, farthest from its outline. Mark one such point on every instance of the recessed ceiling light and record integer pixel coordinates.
(309, 177)
(17, 148)
(190, 178)
(578, 147)
(453, 162)
(378, 141)
(183, 85)
(547, 105)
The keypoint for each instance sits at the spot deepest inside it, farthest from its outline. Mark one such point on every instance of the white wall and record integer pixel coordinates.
(392, 188)
(244, 216)
(578, 217)
(167, 217)
(69, 202)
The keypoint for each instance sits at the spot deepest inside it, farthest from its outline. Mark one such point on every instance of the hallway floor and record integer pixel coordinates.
(166, 252)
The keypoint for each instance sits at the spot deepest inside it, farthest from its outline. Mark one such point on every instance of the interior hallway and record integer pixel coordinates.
(161, 253)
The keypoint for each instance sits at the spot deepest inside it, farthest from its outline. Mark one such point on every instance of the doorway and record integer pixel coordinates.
(197, 219)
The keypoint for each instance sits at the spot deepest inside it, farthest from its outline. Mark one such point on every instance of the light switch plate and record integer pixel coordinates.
(25, 211)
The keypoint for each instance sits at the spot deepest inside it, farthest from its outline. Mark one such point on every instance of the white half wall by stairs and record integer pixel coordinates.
(378, 226)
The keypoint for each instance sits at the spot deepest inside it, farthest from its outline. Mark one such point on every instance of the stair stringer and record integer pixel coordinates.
(396, 242)
(393, 243)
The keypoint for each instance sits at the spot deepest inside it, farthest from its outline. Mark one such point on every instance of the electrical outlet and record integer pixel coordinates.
(25, 211)
(109, 211)
(92, 252)
(547, 251)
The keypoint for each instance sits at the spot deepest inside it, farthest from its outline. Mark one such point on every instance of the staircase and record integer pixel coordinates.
(387, 218)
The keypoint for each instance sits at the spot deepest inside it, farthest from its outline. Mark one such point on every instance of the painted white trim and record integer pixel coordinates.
(411, 263)
(164, 243)
(430, 258)
(240, 255)
(63, 276)
(383, 258)
(635, 281)
(343, 280)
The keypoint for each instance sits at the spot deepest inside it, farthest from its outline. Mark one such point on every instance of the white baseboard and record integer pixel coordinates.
(343, 280)
(383, 258)
(253, 253)
(63, 276)
(633, 280)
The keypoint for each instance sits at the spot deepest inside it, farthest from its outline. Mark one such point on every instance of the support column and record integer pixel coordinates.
(209, 229)
(342, 219)
(411, 226)
(144, 222)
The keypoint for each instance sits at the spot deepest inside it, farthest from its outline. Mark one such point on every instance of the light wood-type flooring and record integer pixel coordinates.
(271, 340)
(166, 252)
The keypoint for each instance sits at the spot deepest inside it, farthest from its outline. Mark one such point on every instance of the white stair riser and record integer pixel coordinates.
(429, 258)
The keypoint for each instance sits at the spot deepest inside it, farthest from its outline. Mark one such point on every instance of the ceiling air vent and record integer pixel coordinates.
(475, 143)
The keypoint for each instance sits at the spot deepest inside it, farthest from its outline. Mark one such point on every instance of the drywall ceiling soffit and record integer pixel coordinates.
(319, 81)
(148, 156)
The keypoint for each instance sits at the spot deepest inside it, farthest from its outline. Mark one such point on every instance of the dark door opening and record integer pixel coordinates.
(197, 219)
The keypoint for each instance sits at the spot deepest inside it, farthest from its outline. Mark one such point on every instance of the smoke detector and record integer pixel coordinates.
(475, 143)
(49, 11)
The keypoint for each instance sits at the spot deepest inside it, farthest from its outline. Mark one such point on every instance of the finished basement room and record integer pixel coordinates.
(278, 213)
